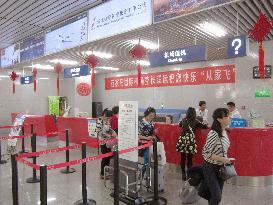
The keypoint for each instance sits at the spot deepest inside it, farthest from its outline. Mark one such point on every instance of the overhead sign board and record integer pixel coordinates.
(76, 71)
(26, 80)
(237, 46)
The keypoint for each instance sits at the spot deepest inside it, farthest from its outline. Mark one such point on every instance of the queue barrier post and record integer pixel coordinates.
(14, 168)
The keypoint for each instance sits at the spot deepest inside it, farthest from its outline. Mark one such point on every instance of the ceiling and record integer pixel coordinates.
(36, 15)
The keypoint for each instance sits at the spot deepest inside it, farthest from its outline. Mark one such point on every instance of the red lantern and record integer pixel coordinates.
(92, 61)
(13, 77)
(258, 33)
(34, 72)
(58, 69)
(138, 52)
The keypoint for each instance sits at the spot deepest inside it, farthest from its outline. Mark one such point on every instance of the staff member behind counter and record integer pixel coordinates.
(233, 112)
(202, 112)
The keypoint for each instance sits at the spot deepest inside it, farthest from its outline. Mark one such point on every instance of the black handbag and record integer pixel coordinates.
(226, 171)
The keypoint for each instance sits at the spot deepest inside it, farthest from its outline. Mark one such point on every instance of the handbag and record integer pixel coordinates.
(226, 171)
(189, 194)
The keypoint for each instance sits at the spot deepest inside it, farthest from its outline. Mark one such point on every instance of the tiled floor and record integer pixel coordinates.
(66, 189)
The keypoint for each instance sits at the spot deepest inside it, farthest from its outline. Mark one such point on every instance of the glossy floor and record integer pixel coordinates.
(66, 189)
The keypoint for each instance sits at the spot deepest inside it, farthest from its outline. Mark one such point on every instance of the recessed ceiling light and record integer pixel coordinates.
(212, 29)
(43, 78)
(64, 61)
(99, 54)
(107, 68)
(42, 67)
(146, 44)
(4, 76)
(142, 62)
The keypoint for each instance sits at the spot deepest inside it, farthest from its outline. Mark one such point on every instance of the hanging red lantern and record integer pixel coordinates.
(13, 77)
(34, 73)
(258, 33)
(92, 61)
(58, 69)
(138, 52)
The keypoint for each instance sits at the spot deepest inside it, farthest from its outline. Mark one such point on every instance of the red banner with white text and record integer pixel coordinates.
(196, 76)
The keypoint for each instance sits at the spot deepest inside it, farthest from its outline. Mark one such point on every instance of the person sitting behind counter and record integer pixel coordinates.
(169, 119)
(233, 111)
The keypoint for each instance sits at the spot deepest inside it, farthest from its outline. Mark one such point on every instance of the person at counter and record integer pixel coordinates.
(186, 143)
(202, 112)
(169, 119)
(233, 112)
(114, 119)
(105, 132)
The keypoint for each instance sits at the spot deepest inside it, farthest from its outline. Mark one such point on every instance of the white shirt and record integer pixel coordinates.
(235, 114)
(203, 114)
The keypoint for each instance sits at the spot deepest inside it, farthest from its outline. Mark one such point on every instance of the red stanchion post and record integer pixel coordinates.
(85, 200)
(1, 160)
(43, 185)
(14, 168)
(67, 170)
(34, 178)
(23, 142)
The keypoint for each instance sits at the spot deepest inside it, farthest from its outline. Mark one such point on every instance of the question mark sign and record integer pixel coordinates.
(239, 43)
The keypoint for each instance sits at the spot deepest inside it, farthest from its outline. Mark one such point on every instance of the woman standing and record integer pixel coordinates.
(217, 142)
(186, 143)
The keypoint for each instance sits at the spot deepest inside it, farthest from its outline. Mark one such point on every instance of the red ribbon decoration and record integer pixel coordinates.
(92, 61)
(138, 52)
(258, 33)
(58, 69)
(13, 77)
(34, 72)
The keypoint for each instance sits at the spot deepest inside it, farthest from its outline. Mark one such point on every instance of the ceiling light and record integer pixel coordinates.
(99, 54)
(146, 44)
(43, 78)
(17, 73)
(4, 76)
(253, 55)
(142, 62)
(42, 67)
(64, 62)
(212, 29)
(107, 68)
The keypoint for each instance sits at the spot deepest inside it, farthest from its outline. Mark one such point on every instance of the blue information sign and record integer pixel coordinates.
(237, 47)
(26, 80)
(76, 71)
(178, 56)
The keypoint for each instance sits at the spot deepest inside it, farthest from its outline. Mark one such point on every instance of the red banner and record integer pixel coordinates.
(196, 76)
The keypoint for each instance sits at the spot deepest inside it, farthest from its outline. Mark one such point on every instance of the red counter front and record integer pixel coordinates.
(252, 148)
(78, 130)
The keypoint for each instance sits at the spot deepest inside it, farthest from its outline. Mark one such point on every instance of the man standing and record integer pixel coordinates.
(202, 112)
(233, 112)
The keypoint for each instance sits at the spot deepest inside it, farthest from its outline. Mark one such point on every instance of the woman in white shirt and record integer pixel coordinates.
(233, 112)
(202, 112)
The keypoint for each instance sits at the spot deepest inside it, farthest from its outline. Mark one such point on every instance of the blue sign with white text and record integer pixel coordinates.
(76, 71)
(237, 47)
(178, 56)
(26, 80)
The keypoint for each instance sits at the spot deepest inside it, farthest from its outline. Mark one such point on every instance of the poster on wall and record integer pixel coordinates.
(116, 17)
(178, 56)
(92, 124)
(54, 105)
(32, 47)
(128, 129)
(183, 77)
(67, 35)
(166, 9)
(10, 55)
(16, 131)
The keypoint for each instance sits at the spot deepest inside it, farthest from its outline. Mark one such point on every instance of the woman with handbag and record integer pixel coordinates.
(215, 155)
(186, 143)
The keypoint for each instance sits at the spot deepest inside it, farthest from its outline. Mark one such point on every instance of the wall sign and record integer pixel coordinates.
(262, 93)
(26, 80)
(268, 72)
(178, 56)
(165, 9)
(237, 46)
(76, 71)
(83, 89)
(116, 17)
(32, 47)
(197, 76)
(10, 55)
(128, 129)
(69, 34)
(92, 124)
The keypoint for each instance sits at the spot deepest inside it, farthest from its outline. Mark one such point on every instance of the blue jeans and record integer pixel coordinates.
(146, 161)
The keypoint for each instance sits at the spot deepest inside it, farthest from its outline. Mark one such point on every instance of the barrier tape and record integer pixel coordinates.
(102, 142)
(10, 126)
(49, 151)
(14, 137)
(34, 166)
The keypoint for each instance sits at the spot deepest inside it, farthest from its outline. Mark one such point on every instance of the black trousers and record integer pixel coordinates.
(185, 157)
(212, 185)
(105, 161)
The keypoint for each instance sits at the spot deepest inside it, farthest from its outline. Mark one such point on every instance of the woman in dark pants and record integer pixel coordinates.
(186, 143)
(212, 185)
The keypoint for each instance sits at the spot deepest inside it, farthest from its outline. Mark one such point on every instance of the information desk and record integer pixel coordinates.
(78, 130)
(44, 125)
(251, 147)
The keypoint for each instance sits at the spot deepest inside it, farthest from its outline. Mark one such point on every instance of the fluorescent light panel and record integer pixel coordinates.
(64, 61)
(212, 29)
(146, 44)
(107, 68)
(42, 67)
(143, 63)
